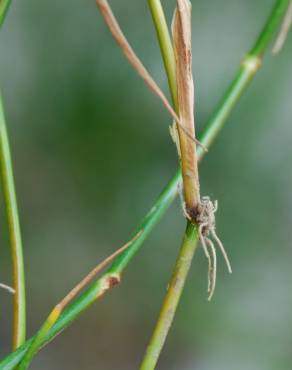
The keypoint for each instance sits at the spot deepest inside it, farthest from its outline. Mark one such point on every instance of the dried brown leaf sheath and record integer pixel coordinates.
(181, 29)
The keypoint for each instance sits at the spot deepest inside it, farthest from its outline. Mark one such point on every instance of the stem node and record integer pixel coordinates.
(251, 63)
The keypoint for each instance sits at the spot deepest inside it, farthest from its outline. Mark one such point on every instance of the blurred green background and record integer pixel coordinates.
(92, 151)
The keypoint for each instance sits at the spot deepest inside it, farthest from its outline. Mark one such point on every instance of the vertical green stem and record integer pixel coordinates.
(165, 46)
(249, 66)
(190, 240)
(4, 5)
(19, 315)
(172, 297)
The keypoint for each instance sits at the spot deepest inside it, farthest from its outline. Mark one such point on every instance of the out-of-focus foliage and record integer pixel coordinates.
(91, 152)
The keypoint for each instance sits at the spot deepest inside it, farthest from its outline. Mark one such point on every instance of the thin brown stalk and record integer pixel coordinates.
(136, 63)
(93, 273)
(129, 53)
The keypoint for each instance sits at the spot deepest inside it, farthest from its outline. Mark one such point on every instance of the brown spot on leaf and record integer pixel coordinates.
(113, 281)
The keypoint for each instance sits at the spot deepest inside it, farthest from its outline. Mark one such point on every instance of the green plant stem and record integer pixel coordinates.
(215, 124)
(109, 282)
(171, 300)
(284, 30)
(270, 28)
(35, 344)
(249, 67)
(19, 315)
(4, 5)
(190, 241)
(19, 306)
(93, 292)
(166, 47)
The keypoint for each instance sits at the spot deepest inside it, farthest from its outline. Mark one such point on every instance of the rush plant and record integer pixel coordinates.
(199, 211)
